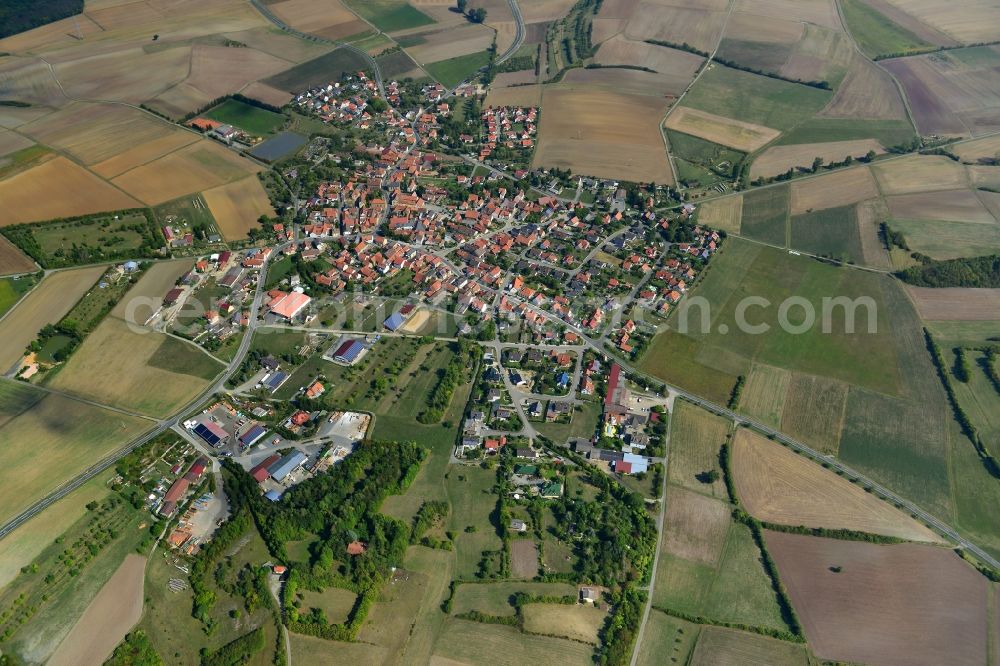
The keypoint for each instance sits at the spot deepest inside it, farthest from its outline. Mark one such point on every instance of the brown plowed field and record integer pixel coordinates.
(900, 605)
(978, 20)
(778, 486)
(953, 205)
(866, 92)
(12, 260)
(956, 303)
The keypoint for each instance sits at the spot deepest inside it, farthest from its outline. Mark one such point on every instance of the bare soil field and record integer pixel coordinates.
(143, 154)
(920, 173)
(956, 303)
(697, 27)
(695, 440)
(837, 188)
(776, 485)
(516, 79)
(984, 176)
(696, 526)
(523, 558)
(973, 151)
(12, 260)
(814, 411)
(990, 199)
(116, 366)
(451, 43)
(579, 622)
(954, 205)
(602, 134)
(515, 96)
(314, 16)
(675, 68)
(870, 214)
(112, 614)
(221, 70)
(265, 93)
(202, 165)
(821, 54)
(152, 286)
(128, 74)
(779, 159)
(819, 12)
(29, 80)
(902, 605)
(237, 206)
(11, 142)
(979, 20)
(533, 11)
(718, 646)
(624, 81)
(57, 188)
(45, 304)
(757, 28)
(743, 136)
(867, 91)
(724, 213)
(271, 39)
(606, 28)
(952, 92)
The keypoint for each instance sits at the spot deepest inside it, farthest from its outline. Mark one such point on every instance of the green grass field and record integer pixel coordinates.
(472, 642)
(820, 130)
(390, 15)
(963, 333)
(335, 603)
(494, 598)
(470, 490)
(191, 211)
(876, 34)
(11, 291)
(453, 71)
(765, 214)
(254, 120)
(755, 99)
(765, 56)
(832, 232)
(583, 424)
(61, 243)
(667, 640)
(717, 645)
(326, 68)
(949, 240)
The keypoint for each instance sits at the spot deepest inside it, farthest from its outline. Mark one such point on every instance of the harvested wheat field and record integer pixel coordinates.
(737, 134)
(978, 20)
(725, 213)
(93, 133)
(221, 70)
(837, 188)
(718, 646)
(147, 294)
(514, 96)
(819, 12)
(763, 397)
(602, 134)
(606, 28)
(953, 205)
(30, 80)
(778, 486)
(126, 74)
(11, 142)
(317, 15)
(870, 214)
(45, 304)
(821, 54)
(956, 303)
(533, 11)
(769, 29)
(265, 93)
(621, 81)
(696, 437)
(112, 614)
(653, 20)
(579, 622)
(194, 168)
(779, 159)
(451, 43)
(675, 68)
(898, 605)
(696, 526)
(144, 153)
(922, 30)
(920, 173)
(12, 260)
(57, 188)
(116, 365)
(523, 558)
(237, 206)
(867, 91)
(272, 40)
(980, 149)
(814, 411)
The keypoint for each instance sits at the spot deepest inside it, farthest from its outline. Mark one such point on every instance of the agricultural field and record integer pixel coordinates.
(725, 213)
(46, 304)
(956, 304)
(331, 20)
(237, 206)
(981, 149)
(697, 437)
(321, 69)
(453, 71)
(920, 173)
(69, 434)
(837, 188)
(948, 240)
(935, 613)
(952, 92)
(868, 93)
(727, 647)
(674, 68)
(583, 130)
(116, 365)
(778, 486)
(832, 232)
(742, 136)
(877, 34)
(666, 635)
(12, 290)
(494, 598)
(576, 622)
(777, 160)
(469, 642)
(755, 99)
(765, 393)
(390, 15)
(252, 119)
(150, 290)
(700, 27)
(765, 215)
(194, 168)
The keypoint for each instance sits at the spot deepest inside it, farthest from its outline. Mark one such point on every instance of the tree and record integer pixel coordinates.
(477, 15)
(462, 4)
(870, 156)
(817, 163)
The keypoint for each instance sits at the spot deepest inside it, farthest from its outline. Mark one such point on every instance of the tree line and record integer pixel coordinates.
(967, 272)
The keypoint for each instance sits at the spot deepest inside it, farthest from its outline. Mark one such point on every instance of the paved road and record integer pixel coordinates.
(161, 427)
(519, 35)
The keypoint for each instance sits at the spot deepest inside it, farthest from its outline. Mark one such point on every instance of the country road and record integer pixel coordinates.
(518, 35)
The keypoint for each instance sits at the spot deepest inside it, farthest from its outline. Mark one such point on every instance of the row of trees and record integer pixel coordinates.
(967, 272)
(477, 15)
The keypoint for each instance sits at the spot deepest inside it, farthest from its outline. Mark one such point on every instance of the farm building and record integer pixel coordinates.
(287, 305)
(259, 472)
(394, 321)
(252, 436)
(349, 351)
(273, 381)
(172, 296)
(273, 495)
(197, 470)
(286, 465)
(173, 496)
(631, 464)
(212, 433)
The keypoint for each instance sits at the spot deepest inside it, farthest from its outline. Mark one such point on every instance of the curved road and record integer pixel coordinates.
(518, 36)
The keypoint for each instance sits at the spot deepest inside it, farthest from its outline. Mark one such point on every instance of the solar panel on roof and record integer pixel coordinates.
(206, 434)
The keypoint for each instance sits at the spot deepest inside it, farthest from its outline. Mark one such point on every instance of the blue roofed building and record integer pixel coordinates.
(252, 436)
(349, 351)
(394, 321)
(212, 433)
(274, 381)
(273, 495)
(286, 465)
